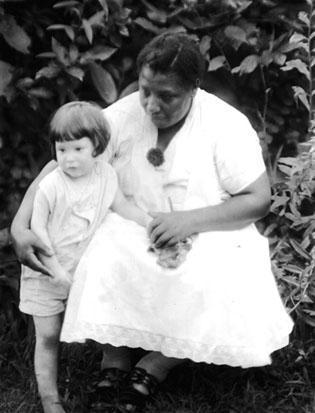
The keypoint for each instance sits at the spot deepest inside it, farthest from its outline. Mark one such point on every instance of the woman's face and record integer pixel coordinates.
(163, 97)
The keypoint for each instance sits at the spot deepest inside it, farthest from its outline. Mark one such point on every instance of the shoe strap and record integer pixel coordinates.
(140, 376)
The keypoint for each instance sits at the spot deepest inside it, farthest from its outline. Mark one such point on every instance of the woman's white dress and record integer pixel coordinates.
(222, 304)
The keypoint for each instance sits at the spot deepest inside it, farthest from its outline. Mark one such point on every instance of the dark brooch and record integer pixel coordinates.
(155, 156)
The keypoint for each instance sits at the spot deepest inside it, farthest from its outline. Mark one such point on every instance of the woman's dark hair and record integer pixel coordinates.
(76, 120)
(174, 53)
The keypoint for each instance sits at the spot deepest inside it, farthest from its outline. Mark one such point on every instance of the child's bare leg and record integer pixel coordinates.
(46, 361)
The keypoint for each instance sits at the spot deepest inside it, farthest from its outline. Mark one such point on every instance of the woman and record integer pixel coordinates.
(208, 179)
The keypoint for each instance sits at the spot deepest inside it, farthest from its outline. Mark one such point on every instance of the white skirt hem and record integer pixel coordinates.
(235, 356)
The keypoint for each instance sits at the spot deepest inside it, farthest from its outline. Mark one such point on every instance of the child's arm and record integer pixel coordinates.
(39, 227)
(128, 210)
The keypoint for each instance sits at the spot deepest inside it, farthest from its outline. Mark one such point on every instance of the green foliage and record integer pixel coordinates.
(291, 229)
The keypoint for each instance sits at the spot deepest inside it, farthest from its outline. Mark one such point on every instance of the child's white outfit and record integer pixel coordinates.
(75, 212)
(222, 304)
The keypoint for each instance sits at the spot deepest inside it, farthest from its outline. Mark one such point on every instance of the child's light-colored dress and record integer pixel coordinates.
(75, 212)
(222, 304)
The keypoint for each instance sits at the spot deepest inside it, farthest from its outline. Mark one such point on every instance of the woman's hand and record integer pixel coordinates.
(26, 246)
(167, 229)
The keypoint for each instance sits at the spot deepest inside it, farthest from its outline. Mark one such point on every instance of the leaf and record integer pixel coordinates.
(60, 51)
(279, 58)
(300, 250)
(205, 44)
(266, 57)
(123, 30)
(66, 4)
(285, 169)
(41, 92)
(249, 64)
(104, 5)
(147, 25)
(293, 268)
(76, 72)
(103, 82)
(297, 38)
(48, 71)
(88, 30)
(303, 17)
(97, 19)
(68, 29)
(98, 53)
(300, 94)
(216, 63)
(298, 65)
(73, 53)
(6, 71)
(158, 16)
(14, 35)
(132, 87)
(155, 14)
(280, 200)
(48, 55)
(288, 160)
(25, 83)
(235, 69)
(236, 35)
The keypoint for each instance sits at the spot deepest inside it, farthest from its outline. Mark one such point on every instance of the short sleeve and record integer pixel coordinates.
(113, 181)
(48, 187)
(109, 184)
(122, 117)
(41, 211)
(238, 155)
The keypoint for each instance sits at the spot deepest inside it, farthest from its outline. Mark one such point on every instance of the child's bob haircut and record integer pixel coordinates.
(76, 120)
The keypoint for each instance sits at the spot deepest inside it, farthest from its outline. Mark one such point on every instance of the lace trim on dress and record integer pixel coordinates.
(234, 356)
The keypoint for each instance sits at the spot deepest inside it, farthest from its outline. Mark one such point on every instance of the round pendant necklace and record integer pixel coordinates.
(155, 156)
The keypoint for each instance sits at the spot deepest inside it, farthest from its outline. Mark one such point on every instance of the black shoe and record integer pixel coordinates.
(107, 390)
(138, 389)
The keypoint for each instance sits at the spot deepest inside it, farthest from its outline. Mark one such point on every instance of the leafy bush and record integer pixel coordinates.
(291, 231)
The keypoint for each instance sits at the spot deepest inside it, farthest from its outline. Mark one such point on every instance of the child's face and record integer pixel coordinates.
(75, 158)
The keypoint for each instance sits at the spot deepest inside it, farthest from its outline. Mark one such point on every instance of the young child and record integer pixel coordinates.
(70, 204)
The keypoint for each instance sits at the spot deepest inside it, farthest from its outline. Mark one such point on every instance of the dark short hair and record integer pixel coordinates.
(76, 120)
(174, 53)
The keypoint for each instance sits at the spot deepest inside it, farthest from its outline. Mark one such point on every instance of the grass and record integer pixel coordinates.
(284, 387)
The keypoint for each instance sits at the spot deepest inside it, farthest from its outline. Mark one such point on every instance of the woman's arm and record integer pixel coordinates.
(130, 211)
(247, 206)
(25, 242)
(39, 224)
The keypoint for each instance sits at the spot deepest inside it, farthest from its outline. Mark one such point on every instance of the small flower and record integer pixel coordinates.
(155, 156)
